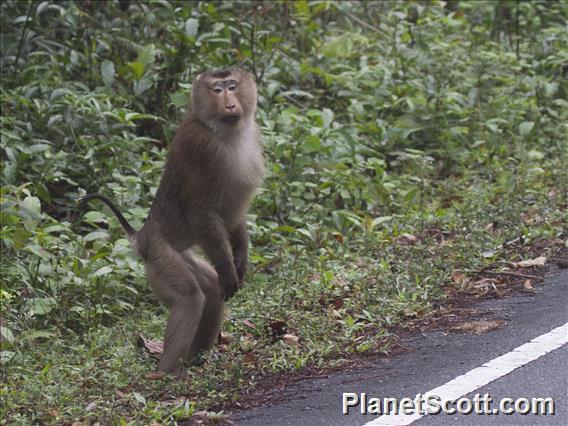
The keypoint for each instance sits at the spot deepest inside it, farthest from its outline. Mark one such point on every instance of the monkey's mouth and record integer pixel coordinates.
(231, 119)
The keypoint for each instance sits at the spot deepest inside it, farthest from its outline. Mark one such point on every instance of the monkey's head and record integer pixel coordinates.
(224, 99)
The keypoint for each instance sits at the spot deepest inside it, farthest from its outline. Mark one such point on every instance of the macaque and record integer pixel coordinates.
(214, 165)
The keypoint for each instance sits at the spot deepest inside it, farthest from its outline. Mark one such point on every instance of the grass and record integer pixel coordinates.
(339, 298)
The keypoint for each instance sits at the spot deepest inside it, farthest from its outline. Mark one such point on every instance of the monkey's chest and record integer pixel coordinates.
(236, 188)
(243, 172)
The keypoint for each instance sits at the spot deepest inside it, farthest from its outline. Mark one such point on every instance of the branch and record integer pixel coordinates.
(21, 44)
(366, 24)
(513, 274)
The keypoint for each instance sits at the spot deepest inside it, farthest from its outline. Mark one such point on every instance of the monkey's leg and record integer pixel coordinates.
(215, 243)
(213, 312)
(176, 286)
(239, 243)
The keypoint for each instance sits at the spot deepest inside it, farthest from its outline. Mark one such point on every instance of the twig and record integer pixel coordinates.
(513, 274)
(562, 262)
(252, 47)
(260, 77)
(294, 101)
(366, 24)
(21, 44)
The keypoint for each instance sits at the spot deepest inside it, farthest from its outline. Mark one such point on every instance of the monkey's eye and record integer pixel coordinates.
(217, 89)
(233, 87)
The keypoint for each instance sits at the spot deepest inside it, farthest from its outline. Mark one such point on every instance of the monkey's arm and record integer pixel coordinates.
(214, 240)
(239, 243)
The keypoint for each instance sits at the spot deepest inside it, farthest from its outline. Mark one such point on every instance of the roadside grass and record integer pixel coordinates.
(338, 299)
(399, 152)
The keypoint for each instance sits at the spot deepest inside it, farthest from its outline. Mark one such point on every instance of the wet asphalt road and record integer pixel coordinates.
(438, 358)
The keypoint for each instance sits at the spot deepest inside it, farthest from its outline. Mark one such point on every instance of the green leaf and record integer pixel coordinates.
(139, 398)
(54, 228)
(410, 196)
(535, 155)
(285, 229)
(6, 356)
(312, 144)
(32, 204)
(343, 45)
(7, 334)
(95, 235)
(36, 334)
(37, 250)
(327, 117)
(108, 73)
(95, 217)
(42, 305)
(191, 27)
(137, 69)
(105, 270)
(147, 55)
(381, 220)
(299, 93)
(143, 84)
(179, 99)
(526, 127)
(302, 8)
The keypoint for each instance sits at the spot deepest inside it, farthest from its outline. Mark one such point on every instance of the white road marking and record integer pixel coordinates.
(488, 372)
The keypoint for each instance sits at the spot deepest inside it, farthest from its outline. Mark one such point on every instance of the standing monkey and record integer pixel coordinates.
(214, 165)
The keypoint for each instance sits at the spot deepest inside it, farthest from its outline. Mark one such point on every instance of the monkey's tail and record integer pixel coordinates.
(130, 231)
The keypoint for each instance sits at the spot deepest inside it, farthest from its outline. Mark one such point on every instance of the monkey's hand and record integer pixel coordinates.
(229, 283)
(241, 267)
(215, 241)
(239, 243)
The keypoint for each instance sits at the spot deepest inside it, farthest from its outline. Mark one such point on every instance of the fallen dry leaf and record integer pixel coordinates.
(338, 303)
(316, 276)
(248, 323)
(406, 239)
(91, 406)
(153, 375)
(154, 347)
(249, 358)
(477, 327)
(247, 337)
(539, 261)
(458, 277)
(527, 285)
(291, 339)
(225, 338)
(484, 285)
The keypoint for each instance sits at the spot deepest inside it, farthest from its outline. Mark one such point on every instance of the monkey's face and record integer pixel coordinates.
(227, 104)
(224, 96)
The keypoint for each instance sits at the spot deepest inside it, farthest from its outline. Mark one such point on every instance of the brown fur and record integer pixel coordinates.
(213, 167)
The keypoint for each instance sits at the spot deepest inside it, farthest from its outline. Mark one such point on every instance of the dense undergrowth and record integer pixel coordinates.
(403, 141)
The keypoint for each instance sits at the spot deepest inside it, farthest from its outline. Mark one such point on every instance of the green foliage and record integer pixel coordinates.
(379, 119)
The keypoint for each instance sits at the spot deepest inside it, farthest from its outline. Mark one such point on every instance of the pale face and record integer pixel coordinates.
(225, 95)
(224, 99)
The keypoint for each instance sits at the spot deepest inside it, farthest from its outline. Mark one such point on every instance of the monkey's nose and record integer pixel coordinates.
(230, 107)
